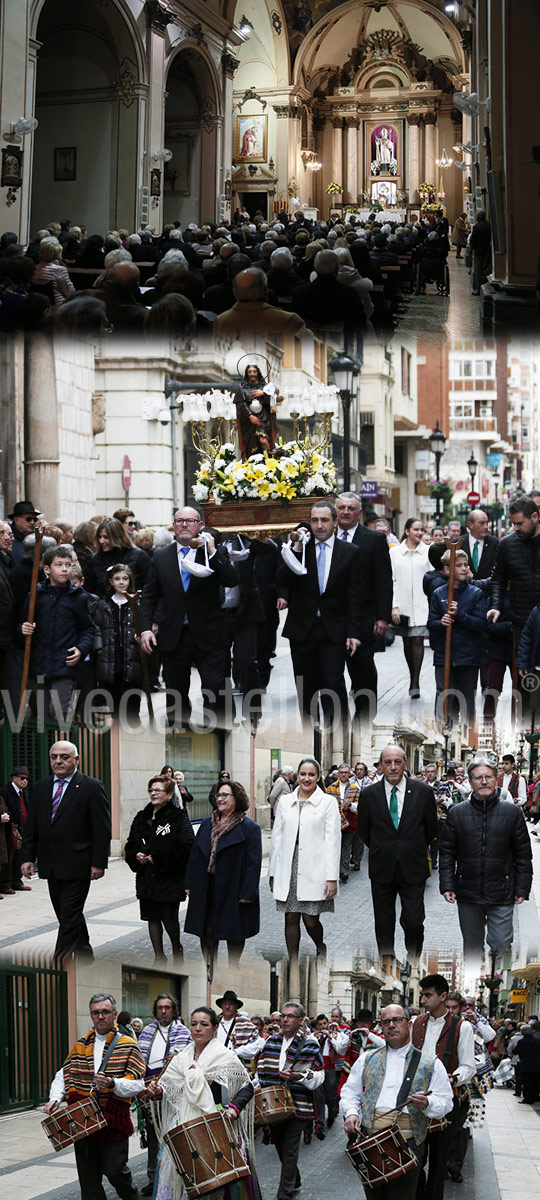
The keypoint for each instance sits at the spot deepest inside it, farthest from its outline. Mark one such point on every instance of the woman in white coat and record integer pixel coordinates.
(304, 857)
(410, 604)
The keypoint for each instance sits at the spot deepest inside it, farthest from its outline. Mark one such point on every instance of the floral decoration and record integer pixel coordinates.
(334, 188)
(291, 471)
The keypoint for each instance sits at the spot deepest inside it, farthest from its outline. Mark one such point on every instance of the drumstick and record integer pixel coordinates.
(405, 1103)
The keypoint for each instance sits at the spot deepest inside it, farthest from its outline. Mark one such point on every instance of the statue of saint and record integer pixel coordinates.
(255, 417)
(384, 148)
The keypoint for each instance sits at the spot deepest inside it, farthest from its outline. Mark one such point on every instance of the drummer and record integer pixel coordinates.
(159, 1039)
(110, 1066)
(294, 1059)
(374, 1085)
(200, 1079)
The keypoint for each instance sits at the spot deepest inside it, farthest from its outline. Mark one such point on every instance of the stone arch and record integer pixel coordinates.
(193, 131)
(90, 84)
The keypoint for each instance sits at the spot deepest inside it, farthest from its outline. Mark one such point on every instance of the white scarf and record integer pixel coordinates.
(187, 1095)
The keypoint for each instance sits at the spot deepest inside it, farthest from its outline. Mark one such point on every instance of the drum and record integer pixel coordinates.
(206, 1153)
(437, 1124)
(68, 1125)
(381, 1156)
(272, 1105)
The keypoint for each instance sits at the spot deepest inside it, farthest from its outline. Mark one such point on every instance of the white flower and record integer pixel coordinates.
(313, 483)
(219, 463)
(200, 492)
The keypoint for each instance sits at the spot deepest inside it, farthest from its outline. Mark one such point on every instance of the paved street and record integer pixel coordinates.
(503, 1160)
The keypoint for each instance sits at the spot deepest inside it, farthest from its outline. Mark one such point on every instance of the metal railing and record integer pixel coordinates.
(33, 1033)
(31, 746)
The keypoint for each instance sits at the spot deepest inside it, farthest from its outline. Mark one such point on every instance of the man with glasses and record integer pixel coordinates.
(396, 1074)
(111, 1067)
(23, 521)
(159, 1039)
(292, 1058)
(185, 607)
(485, 864)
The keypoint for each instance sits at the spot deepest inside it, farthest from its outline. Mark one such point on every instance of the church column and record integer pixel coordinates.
(337, 151)
(157, 20)
(361, 169)
(351, 185)
(282, 153)
(319, 125)
(295, 141)
(430, 155)
(230, 65)
(413, 171)
(41, 452)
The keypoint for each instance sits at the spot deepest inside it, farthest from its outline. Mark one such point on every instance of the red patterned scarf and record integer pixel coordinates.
(221, 825)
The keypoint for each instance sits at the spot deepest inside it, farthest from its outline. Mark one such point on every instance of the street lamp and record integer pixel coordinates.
(447, 734)
(496, 477)
(437, 443)
(406, 972)
(473, 467)
(346, 371)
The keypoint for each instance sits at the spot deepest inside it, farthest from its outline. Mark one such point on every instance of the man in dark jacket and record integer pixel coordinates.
(375, 615)
(485, 864)
(23, 521)
(69, 832)
(326, 301)
(467, 618)
(517, 568)
(62, 632)
(185, 607)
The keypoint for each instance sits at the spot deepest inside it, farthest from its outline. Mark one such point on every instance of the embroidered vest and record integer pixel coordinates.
(418, 1037)
(373, 1079)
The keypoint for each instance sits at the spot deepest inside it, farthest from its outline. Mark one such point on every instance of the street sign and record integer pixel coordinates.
(369, 489)
(126, 473)
(428, 504)
(537, 986)
(519, 996)
(473, 498)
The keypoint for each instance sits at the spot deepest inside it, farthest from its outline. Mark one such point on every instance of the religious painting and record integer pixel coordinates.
(12, 160)
(384, 150)
(155, 182)
(65, 164)
(251, 138)
(384, 194)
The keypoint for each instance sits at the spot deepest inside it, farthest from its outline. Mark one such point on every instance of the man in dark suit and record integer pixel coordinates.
(480, 545)
(69, 832)
(377, 597)
(323, 621)
(16, 798)
(397, 819)
(186, 610)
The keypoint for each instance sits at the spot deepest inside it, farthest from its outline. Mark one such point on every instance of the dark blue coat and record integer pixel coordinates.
(498, 639)
(529, 643)
(215, 899)
(62, 620)
(469, 625)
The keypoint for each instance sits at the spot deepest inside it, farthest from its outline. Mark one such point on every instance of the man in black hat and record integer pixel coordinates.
(23, 521)
(16, 798)
(235, 1031)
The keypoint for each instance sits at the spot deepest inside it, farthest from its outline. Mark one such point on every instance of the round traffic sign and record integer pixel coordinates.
(126, 473)
(473, 498)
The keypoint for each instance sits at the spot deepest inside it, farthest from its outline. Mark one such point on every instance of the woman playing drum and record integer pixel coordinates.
(203, 1079)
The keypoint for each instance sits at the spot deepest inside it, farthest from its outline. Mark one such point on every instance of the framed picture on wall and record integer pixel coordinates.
(155, 182)
(65, 164)
(12, 160)
(251, 138)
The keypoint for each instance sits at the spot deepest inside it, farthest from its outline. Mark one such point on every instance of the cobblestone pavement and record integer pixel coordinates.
(325, 1170)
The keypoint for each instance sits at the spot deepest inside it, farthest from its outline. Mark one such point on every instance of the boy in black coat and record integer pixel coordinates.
(62, 632)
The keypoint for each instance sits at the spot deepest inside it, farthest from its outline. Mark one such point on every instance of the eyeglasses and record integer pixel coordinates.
(156, 791)
(186, 521)
(393, 1021)
(101, 1012)
(223, 795)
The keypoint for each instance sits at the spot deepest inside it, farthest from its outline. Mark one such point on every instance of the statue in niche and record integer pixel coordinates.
(384, 148)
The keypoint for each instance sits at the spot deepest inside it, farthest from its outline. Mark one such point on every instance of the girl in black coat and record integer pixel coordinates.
(118, 662)
(157, 849)
(222, 878)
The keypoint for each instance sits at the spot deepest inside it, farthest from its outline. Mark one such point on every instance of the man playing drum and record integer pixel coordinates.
(111, 1067)
(295, 1060)
(157, 1042)
(392, 1076)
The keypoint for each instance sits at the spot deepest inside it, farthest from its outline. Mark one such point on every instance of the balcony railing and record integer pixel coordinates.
(473, 424)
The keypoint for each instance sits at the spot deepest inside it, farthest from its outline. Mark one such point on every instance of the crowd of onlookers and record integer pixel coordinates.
(281, 275)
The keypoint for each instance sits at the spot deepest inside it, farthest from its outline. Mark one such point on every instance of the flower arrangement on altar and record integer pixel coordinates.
(388, 168)
(334, 188)
(427, 190)
(291, 471)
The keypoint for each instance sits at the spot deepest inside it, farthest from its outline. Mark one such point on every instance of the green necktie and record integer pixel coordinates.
(394, 808)
(475, 556)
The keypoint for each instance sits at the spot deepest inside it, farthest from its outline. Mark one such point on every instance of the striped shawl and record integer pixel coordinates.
(303, 1055)
(126, 1062)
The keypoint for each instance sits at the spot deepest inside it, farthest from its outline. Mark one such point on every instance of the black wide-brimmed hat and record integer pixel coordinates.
(229, 995)
(24, 508)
